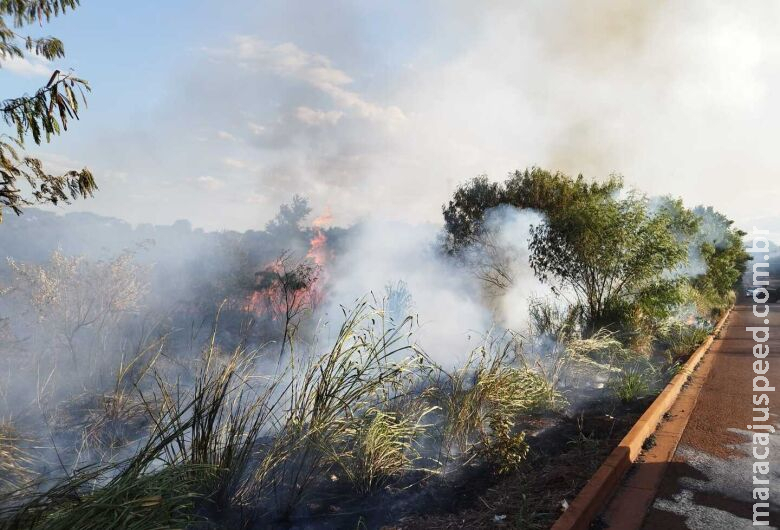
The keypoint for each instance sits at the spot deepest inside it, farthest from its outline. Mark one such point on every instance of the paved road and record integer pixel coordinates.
(709, 483)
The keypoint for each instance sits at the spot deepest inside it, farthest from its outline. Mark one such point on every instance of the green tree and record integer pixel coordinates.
(613, 254)
(723, 251)
(533, 188)
(41, 115)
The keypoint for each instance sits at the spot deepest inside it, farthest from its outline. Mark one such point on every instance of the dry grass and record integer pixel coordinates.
(482, 401)
(15, 462)
(241, 448)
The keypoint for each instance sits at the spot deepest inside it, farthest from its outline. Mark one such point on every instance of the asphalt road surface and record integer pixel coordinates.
(709, 483)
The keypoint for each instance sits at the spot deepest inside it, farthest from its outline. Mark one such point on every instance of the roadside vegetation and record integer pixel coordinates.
(122, 412)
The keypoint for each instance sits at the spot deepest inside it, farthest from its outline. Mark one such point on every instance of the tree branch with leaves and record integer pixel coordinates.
(40, 116)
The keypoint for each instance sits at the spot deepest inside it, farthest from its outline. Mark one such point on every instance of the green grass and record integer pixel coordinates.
(134, 500)
(630, 385)
(680, 339)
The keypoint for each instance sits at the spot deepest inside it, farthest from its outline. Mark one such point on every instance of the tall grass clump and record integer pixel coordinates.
(601, 348)
(482, 401)
(554, 320)
(630, 384)
(381, 445)
(216, 425)
(88, 499)
(680, 339)
(340, 412)
(141, 493)
(15, 462)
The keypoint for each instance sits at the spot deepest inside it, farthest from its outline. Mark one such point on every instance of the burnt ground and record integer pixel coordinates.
(563, 458)
(565, 450)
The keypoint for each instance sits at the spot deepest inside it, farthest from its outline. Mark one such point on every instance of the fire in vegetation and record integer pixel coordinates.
(283, 287)
(286, 413)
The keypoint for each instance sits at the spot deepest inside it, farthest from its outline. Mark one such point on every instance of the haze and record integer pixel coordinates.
(371, 109)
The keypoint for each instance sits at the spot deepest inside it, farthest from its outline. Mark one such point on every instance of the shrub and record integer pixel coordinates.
(502, 449)
(381, 446)
(630, 385)
(681, 339)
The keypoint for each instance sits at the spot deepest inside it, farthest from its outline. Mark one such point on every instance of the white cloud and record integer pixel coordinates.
(224, 135)
(311, 116)
(288, 60)
(27, 67)
(256, 128)
(234, 163)
(210, 183)
(256, 198)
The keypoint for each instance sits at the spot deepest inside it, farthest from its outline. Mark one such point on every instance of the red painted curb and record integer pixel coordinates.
(593, 497)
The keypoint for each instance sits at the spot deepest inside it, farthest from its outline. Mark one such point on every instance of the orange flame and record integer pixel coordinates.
(318, 245)
(268, 301)
(325, 219)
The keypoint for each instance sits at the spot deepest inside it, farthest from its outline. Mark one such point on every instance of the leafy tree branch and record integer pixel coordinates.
(23, 179)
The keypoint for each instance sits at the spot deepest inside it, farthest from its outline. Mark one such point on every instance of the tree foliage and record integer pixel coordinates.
(612, 253)
(533, 188)
(627, 260)
(722, 251)
(615, 254)
(289, 218)
(39, 116)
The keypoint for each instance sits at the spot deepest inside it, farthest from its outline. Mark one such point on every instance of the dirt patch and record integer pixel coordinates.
(563, 459)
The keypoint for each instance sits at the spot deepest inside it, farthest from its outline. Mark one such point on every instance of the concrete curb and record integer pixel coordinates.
(593, 497)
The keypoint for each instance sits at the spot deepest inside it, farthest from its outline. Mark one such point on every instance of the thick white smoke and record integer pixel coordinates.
(451, 298)
(446, 297)
(510, 228)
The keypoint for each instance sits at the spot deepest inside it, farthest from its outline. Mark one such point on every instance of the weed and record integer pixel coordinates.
(681, 339)
(630, 385)
(15, 462)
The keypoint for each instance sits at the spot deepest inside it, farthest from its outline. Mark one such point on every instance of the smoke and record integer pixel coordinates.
(502, 259)
(446, 297)
(294, 98)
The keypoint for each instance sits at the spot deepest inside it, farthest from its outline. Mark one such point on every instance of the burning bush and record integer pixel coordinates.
(283, 293)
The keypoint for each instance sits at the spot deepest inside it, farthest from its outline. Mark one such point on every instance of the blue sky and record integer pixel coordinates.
(218, 111)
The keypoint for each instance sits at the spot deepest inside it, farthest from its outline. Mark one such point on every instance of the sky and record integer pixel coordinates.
(217, 112)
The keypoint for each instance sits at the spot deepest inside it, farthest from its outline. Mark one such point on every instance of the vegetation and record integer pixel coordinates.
(680, 339)
(722, 251)
(14, 461)
(268, 416)
(42, 115)
(621, 257)
(631, 385)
